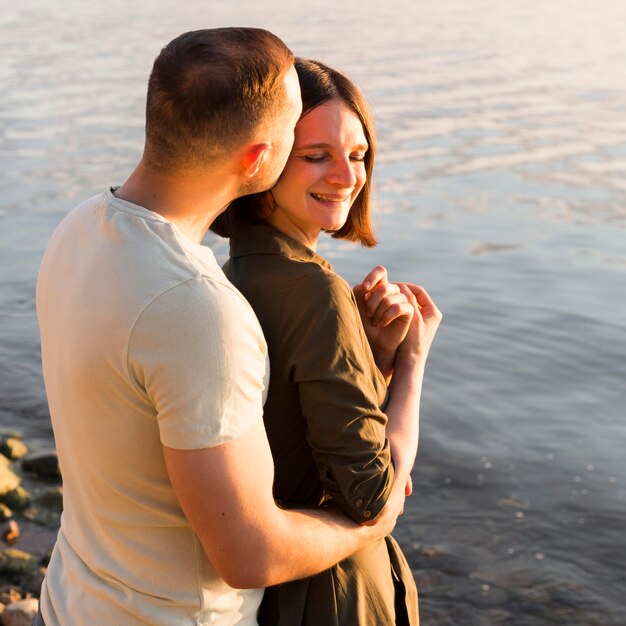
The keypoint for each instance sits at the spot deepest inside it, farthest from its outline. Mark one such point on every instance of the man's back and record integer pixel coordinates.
(144, 344)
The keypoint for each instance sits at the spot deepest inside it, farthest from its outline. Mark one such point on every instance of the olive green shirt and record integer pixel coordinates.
(323, 420)
(325, 424)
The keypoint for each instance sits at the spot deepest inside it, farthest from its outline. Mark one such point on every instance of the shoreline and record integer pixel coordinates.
(31, 501)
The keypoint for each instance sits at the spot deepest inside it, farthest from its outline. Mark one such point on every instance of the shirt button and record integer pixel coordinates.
(358, 502)
(367, 514)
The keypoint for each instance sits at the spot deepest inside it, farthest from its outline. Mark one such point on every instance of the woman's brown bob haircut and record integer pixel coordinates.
(318, 84)
(208, 90)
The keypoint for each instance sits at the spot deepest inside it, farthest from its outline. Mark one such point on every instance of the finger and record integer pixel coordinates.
(377, 294)
(421, 295)
(382, 286)
(408, 489)
(377, 275)
(410, 296)
(400, 311)
(390, 304)
(428, 308)
(359, 294)
(362, 294)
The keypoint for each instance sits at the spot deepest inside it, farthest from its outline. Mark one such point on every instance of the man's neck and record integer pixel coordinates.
(190, 202)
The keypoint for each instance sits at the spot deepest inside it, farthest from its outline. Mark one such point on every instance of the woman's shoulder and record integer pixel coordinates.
(286, 272)
(312, 281)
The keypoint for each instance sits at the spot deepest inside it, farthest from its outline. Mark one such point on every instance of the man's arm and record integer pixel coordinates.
(226, 493)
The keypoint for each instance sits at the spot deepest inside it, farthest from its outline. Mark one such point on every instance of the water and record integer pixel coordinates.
(500, 187)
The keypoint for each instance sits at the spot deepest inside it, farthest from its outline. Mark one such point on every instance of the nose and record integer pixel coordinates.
(342, 173)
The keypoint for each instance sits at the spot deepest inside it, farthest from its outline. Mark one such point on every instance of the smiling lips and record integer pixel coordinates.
(337, 199)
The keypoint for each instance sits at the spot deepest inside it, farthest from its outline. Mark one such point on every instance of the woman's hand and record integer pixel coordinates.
(424, 324)
(386, 315)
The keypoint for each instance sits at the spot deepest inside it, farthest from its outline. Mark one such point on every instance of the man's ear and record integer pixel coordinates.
(254, 158)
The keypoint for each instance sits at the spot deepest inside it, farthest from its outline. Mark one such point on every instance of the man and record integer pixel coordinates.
(156, 368)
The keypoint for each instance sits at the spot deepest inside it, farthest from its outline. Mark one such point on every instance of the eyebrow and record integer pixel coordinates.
(361, 146)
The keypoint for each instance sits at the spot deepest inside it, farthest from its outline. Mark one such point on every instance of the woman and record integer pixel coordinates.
(331, 441)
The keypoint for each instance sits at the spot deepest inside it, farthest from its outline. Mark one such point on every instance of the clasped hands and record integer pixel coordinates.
(400, 321)
(398, 318)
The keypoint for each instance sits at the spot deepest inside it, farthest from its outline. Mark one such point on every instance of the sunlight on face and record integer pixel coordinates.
(324, 174)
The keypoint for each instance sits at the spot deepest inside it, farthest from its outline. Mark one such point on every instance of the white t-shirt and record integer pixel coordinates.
(144, 343)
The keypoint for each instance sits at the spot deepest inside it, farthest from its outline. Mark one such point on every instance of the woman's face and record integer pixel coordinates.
(324, 173)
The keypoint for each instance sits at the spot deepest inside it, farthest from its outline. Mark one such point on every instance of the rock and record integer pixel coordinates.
(5, 512)
(9, 480)
(44, 464)
(9, 595)
(13, 448)
(51, 499)
(18, 499)
(21, 613)
(10, 531)
(15, 562)
(43, 517)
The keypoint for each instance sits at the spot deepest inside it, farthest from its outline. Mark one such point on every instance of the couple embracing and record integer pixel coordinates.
(201, 485)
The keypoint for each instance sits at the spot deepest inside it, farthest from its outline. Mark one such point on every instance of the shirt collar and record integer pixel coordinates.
(265, 239)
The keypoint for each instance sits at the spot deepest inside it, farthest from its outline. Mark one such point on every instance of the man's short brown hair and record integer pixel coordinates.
(208, 90)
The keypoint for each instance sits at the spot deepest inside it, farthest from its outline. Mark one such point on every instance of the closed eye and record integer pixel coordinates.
(314, 158)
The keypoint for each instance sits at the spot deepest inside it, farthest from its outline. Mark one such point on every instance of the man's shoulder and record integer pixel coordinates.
(203, 290)
(80, 212)
(199, 302)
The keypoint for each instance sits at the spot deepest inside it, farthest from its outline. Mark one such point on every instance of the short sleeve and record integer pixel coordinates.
(198, 353)
(327, 356)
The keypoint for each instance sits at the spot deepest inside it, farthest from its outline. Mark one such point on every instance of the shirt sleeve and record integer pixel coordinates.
(198, 354)
(326, 354)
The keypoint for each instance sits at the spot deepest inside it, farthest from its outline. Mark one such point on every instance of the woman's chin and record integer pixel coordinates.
(333, 226)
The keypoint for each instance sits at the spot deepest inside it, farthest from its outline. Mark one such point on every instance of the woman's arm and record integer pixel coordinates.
(386, 327)
(325, 353)
(405, 389)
